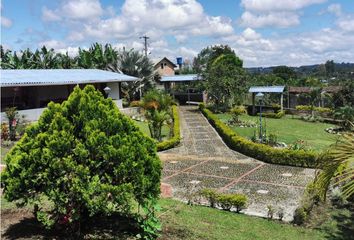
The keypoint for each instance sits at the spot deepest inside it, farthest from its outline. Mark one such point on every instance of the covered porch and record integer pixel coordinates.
(31, 90)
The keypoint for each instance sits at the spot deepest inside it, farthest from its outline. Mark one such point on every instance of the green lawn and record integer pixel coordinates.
(145, 129)
(198, 222)
(289, 130)
(181, 221)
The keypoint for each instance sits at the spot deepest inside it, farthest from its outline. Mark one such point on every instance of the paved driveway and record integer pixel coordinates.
(204, 161)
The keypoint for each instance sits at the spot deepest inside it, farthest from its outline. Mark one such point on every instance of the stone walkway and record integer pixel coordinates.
(204, 161)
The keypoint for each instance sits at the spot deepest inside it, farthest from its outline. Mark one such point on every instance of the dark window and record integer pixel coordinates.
(161, 65)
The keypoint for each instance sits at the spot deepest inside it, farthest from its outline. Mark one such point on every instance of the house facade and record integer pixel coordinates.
(165, 67)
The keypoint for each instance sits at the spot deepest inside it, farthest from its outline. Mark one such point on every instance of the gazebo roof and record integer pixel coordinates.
(44, 77)
(266, 89)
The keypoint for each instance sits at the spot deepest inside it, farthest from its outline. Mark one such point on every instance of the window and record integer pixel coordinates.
(161, 65)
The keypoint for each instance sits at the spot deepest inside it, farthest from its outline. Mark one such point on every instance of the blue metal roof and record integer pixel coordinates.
(266, 89)
(181, 78)
(43, 77)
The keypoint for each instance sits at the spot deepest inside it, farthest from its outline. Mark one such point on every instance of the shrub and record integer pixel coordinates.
(277, 115)
(86, 159)
(4, 131)
(300, 216)
(135, 104)
(211, 195)
(270, 211)
(12, 117)
(227, 201)
(259, 151)
(175, 140)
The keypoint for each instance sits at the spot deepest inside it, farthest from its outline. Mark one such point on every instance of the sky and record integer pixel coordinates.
(262, 32)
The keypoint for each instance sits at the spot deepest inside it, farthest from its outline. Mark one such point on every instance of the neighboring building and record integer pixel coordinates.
(182, 88)
(31, 90)
(298, 96)
(165, 67)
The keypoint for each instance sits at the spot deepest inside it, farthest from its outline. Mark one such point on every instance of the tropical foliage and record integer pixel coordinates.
(346, 115)
(157, 110)
(83, 159)
(339, 168)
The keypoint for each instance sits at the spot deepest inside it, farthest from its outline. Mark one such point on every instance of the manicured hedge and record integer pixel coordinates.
(277, 115)
(259, 151)
(174, 141)
(317, 109)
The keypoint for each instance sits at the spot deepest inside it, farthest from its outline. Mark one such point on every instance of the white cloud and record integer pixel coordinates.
(274, 19)
(294, 50)
(74, 10)
(6, 22)
(49, 15)
(155, 18)
(250, 34)
(82, 9)
(277, 5)
(164, 14)
(346, 23)
(273, 13)
(72, 51)
(52, 44)
(335, 9)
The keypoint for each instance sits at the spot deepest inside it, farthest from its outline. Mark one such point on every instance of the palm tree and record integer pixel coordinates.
(314, 96)
(346, 114)
(135, 64)
(157, 107)
(65, 61)
(45, 59)
(338, 167)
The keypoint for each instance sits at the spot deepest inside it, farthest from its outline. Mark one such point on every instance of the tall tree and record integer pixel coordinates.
(207, 56)
(226, 81)
(285, 72)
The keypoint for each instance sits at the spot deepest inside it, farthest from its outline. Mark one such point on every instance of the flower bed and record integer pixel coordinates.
(262, 152)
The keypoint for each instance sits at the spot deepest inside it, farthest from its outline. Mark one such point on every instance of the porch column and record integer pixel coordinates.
(281, 102)
(253, 104)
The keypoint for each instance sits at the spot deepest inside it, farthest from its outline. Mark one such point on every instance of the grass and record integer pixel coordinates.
(145, 129)
(181, 221)
(289, 130)
(198, 222)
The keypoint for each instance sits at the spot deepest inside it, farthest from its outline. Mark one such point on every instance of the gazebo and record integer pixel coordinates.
(266, 89)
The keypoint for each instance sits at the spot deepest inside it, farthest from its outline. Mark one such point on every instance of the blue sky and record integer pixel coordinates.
(262, 32)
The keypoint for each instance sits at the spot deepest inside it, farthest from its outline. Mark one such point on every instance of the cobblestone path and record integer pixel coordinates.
(204, 161)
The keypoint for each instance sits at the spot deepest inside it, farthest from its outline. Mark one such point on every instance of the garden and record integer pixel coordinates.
(87, 171)
(290, 129)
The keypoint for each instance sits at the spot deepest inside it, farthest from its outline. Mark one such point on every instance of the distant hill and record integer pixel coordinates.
(308, 69)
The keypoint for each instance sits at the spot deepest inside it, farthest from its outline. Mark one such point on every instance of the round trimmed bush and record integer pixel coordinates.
(83, 158)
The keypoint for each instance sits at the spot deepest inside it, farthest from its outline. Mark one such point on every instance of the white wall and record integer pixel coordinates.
(34, 114)
(30, 114)
(114, 94)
